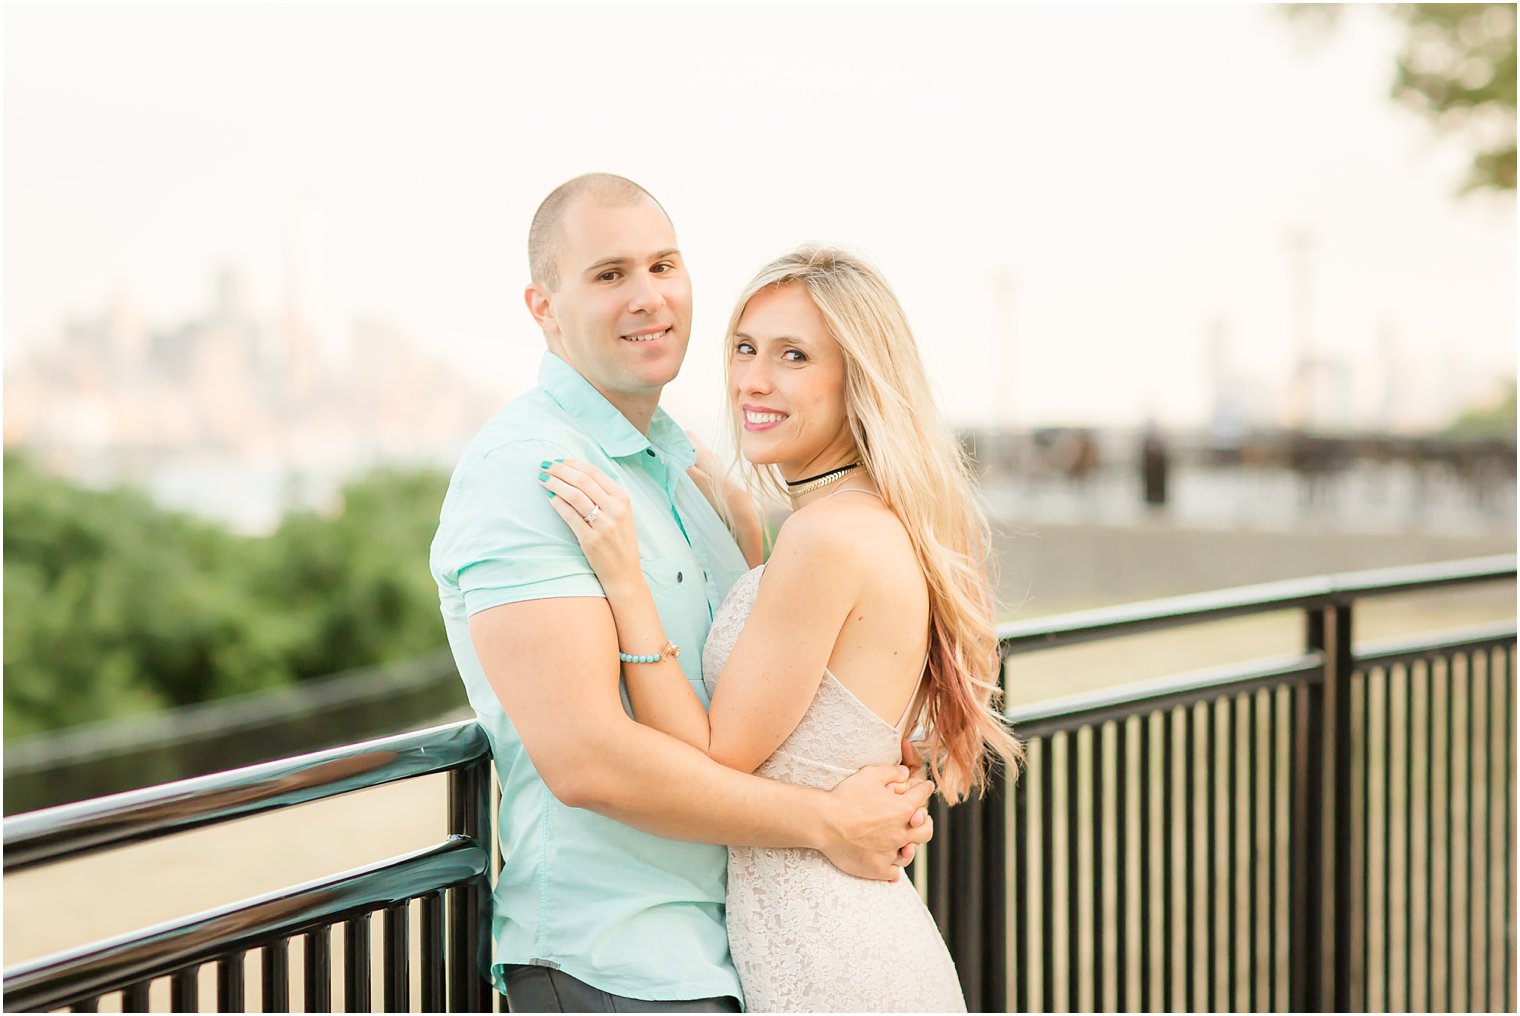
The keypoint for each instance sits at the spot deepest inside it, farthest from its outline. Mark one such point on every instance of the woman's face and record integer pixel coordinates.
(786, 385)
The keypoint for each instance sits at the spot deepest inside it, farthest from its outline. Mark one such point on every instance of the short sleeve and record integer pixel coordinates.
(500, 541)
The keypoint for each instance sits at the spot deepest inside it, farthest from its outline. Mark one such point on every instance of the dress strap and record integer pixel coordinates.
(917, 692)
(854, 490)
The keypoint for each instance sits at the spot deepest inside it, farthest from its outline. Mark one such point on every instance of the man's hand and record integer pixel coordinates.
(915, 764)
(877, 818)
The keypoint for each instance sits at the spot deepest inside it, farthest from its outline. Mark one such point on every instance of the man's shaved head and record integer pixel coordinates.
(546, 236)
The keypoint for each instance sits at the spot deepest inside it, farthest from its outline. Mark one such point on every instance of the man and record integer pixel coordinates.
(612, 892)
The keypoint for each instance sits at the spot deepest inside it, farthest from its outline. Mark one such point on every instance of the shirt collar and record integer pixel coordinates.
(606, 425)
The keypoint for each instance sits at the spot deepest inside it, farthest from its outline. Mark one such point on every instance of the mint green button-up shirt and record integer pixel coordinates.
(622, 910)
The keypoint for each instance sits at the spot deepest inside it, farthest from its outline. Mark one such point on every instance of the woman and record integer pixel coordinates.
(874, 611)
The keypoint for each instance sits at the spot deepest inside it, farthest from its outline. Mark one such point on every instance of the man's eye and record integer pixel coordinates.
(663, 267)
(607, 276)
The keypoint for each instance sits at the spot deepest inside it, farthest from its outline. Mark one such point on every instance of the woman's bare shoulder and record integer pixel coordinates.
(856, 530)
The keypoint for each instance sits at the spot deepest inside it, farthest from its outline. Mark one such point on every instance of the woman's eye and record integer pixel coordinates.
(794, 356)
(745, 348)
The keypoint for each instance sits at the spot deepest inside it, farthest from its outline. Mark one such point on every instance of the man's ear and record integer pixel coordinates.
(541, 307)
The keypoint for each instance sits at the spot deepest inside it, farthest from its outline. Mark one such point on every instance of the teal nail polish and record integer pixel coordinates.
(556, 460)
(543, 476)
(544, 464)
(550, 493)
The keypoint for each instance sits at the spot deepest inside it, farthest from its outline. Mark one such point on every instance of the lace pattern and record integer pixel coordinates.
(805, 936)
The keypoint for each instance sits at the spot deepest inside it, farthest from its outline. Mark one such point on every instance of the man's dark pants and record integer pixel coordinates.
(544, 989)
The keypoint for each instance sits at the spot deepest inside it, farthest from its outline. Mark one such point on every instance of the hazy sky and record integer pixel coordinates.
(1134, 171)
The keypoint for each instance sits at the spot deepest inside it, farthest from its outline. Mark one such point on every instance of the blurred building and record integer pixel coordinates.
(230, 411)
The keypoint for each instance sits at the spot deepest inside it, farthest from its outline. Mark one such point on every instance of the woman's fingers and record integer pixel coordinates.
(568, 492)
(596, 474)
(577, 476)
(572, 517)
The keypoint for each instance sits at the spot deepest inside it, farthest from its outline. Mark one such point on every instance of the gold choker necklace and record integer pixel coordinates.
(812, 483)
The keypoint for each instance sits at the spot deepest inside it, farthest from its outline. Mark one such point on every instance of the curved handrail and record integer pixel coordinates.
(1295, 594)
(1039, 718)
(56, 980)
(70, 830)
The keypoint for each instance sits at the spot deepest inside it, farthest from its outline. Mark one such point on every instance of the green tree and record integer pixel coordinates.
(357, 584)
(114, 606)
(1497, 418)
(1456, 66)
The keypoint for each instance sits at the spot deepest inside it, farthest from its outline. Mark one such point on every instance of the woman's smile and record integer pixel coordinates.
(758, 418)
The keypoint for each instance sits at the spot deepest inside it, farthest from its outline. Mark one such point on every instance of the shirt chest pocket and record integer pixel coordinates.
(679, 595)
(671, 576)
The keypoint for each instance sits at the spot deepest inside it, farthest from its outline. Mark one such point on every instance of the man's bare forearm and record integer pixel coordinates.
(663, 786)
(562, 697)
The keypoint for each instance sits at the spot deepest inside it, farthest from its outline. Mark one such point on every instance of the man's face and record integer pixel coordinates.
(621, 315)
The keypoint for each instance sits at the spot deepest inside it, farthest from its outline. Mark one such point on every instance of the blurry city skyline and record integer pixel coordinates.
(1093, 215)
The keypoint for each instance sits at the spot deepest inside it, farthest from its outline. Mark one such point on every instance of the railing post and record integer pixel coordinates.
(1306, 843)
(1340, 663)
(995, 887)
(976, 905)
(968, 899)
(1320, 920)
(469, 948)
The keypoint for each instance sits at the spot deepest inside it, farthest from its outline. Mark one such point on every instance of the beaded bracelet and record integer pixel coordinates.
(671, 650)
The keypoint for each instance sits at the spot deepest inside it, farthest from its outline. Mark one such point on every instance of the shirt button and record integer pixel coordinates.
(679, 576)
(649, 452)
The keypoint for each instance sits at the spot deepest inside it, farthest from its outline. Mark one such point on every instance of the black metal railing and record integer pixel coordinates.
(1328, 830)
(1331, 830)
(442, 890)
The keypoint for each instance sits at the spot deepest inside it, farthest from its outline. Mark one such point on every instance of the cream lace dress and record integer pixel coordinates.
(805, 936)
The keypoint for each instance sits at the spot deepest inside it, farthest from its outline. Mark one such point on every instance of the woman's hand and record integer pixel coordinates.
(707, 459)
(579, 491)
(722, 493)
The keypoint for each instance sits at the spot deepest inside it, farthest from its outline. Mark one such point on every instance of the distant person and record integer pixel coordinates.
(1153, 466)
(612, 893)
(874, 611)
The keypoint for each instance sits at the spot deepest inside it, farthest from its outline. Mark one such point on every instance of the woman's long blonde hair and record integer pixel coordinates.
(923, 476)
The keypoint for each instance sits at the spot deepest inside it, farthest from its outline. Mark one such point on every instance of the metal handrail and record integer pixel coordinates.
(165, 948)
(1295, 594)
(1039, 718)
(1403, 649)
(72, 830)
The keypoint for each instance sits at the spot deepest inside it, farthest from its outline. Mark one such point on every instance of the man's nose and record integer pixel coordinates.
(646, 296)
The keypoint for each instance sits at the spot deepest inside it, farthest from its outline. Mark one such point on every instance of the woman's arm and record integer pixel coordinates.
(742, 515)
(808, 591)
(730, 500)
(661, 696)
(804, 608)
